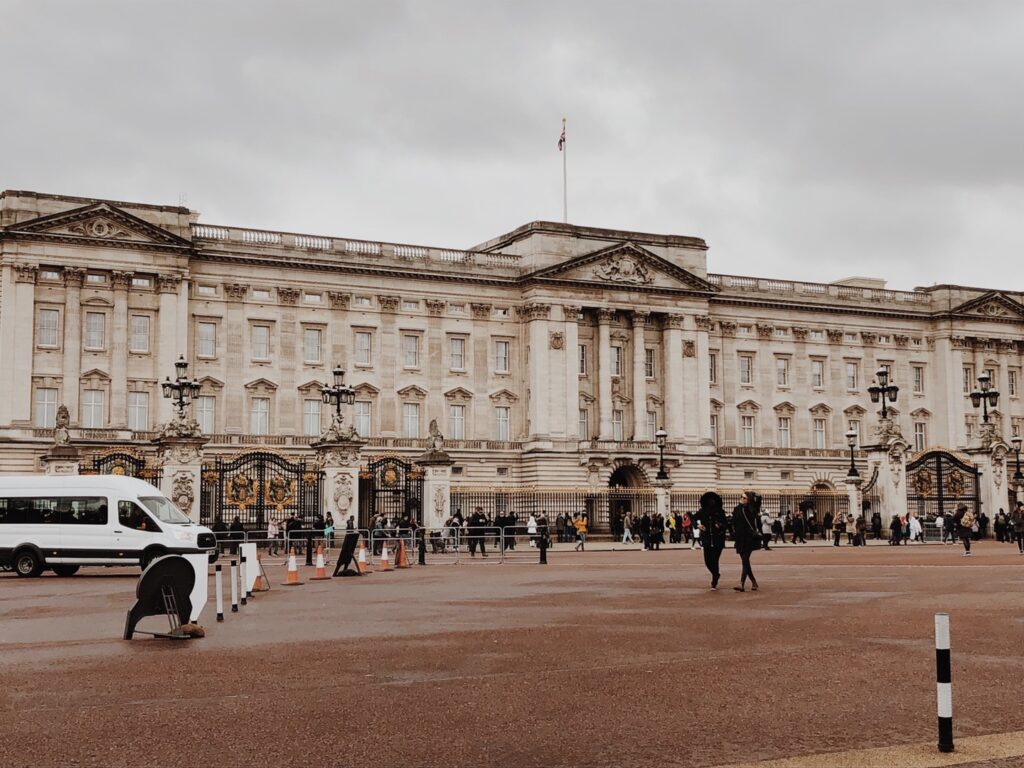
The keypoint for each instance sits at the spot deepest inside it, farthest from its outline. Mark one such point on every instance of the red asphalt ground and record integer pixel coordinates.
(599, 659)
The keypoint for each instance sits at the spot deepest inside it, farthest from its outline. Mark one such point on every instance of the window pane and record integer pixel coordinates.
(616, 425)
(784, 432)
(261, 342)
(95, 330)
(782, 372)
(363, 339)
(747, 431)
(311, 345)
(457, 422)
(582, 428)
(139, 341)
(205, 413)
(652, 424)
(206, 340)
(47, 330)
(458, 354)
(411, 351)
(501, 356)
(362, 418)
(411, 419)
(712, 367)
(92, 408)
(46, 407)
(583, 360)
(616, 361)
(819, 433)
(649, 363)
(138, 411)
(501, 414)
(311, 416)
(260, 418)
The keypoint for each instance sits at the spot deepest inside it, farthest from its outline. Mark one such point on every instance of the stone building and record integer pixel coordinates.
(549, 355)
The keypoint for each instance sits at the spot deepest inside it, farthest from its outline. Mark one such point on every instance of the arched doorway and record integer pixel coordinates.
(623, 497)
(627, 476)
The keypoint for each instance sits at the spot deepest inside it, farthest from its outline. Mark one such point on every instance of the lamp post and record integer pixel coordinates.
(338, 394)
(1018, 478)
(984, 396)
(660, 438)
(883, 390)
(181, 391)
(851, 440)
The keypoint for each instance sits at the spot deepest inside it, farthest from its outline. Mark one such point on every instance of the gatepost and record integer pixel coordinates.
(62, 458)
(988, 452)
(663, 495)
(888, 457)
(337, 454)
(437, 480)
(180, 451)
(853, 495)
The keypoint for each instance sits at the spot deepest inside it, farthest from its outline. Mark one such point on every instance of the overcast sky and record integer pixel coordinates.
(807, 140)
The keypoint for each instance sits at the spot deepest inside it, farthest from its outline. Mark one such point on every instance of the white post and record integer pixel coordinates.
(944, 682)
(234, 587)
(219, 587)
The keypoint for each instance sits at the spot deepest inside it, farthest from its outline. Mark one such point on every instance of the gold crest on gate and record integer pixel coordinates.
(280, 492)
(241, 490)
(389, 477)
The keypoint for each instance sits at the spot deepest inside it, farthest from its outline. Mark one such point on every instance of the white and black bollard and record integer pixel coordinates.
(944, 682)
(219, 588)
(242, 578)
(234, 587)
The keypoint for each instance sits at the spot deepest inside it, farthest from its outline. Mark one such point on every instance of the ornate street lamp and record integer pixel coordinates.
(883, 391)
(984, 396)
(181, 391)
(660, 437)
(1018, 478)
(339, 393)
(851, 440)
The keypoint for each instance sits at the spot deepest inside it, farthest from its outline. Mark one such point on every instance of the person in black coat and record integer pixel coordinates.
(746, 527)
(710, 521)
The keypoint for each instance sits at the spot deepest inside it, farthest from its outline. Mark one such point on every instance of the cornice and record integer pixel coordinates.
(829, 309)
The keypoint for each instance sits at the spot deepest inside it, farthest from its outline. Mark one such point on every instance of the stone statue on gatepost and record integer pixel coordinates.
(337, 454)
(887, 458)
(180, 457)
(989, 453)
(62, 458)
(437, 479)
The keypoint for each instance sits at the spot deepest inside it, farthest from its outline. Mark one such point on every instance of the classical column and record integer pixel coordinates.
(604, 373)
(72, 365)
(289, 418)
(167, 340)
(539, 374)
(673, 343)
(482, 351)
(639, 375)
(119, 352)
(389, 364)
(703, 381)
(23, 332)
(570, 318)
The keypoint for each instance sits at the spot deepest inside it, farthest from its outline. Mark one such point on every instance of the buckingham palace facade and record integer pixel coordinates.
(548, 356)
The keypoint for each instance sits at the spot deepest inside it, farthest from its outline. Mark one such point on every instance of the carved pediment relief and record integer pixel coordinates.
(626, 265)
(785, 409)
(992, 305)
(366, 389)
(459, 394)
(820, 410)
(748, 406)
(208, 382)
(504, 396)
(99, 223)
(921, 413)
(310, 387)
(412, 391)
(854, 411)
(261, 385)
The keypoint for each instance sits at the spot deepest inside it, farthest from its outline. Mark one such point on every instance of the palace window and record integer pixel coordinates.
(261, 344)
(92, 408)
(817, 335)
(311, 416)
(782, 371)
(853, 425)
(583, 359)
(138, 411)
(457, 422)
(206, 290)
(205, 412)
(747, 431)
(261, 294)
(714, 428)
(617, 425)
(363, 342)
(501, 422)
(649, 368)
(138, 340)
(819, 433)
(94, 279)
(410, 306)
(851, 375)
(259, 417)
(712, 367)
(1012, 382)
(361, 418)
(501, 350)
(746, 369)
(784, 431)
(46, 407)
(95, 330)
(206, 339)
(457, 353)
(313, 298)
(362, 301)
(311, 345)
(583, 425)
(968, 379)
(47, 327)
(411, 420)
(920, 435)
(616, 361)
(410, 350)
(652, 425)
(818, 374)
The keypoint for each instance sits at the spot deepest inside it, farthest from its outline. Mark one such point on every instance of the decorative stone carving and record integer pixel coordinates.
(235, 291)
(896, 463)
(389, 303)
(689, 349)
(728, 328)
(74, 277)
(992, 309)
(440, 503)
(536, 311)
(901, 339)
(338, 454)
(435, 307)
(168, 283)
(339, 299)
(868, 339)
(640, 317)
(605, 315)
(181, 426)
(571, 312)
(886, 431)
(25, 273)
(998, 465)
(288, 295)
(835, 336)
(675, 321)
(765, 331)
(182, 492)
(337, 431)
(100, 228)
(480, 311)
(342, 492)
(435, 440)
(623, 268)
(121, 281)
(1005, 345)
(958, 342)
(703, 322)
(556, 340)
(799, 334)
(61, 435)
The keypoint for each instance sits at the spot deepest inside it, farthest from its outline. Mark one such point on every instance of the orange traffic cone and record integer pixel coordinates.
(262, 583)
(361, 563)
(385, 561)
(401, 560)
(321, 566)
(293, 572)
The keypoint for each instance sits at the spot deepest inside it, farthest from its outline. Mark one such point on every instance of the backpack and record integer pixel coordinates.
(967, 520)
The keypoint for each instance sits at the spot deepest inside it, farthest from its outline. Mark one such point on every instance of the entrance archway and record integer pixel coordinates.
(622, 501)
(627, 476)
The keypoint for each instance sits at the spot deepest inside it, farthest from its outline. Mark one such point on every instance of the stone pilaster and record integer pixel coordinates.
(604, 373)
(61, 460)
(72, 344)
(339, 460)
(570, 318)
(673, 343)
(181, 459)
(119, 352)
(640, 376)
(993, 478)
(537, 315)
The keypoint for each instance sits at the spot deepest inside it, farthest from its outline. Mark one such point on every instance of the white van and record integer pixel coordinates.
(63, 522)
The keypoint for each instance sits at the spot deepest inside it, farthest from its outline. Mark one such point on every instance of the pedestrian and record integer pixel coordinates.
(560, 527)
(826, 525)
(531, 530)
(477, 525)
(798, 528)
(895, 530)
(1017, 526)
(862, 527)
(272, 538)
(581, 533)
(710, 522)
(645, 530)
(778, 531)
(948, 529)
(350, 524)
(915, 529)
(766, 530)
(745, 526)
(999, 526)
(696, 542)
(687, 527)
(851, 528)
(963, 521)
(876, 526)
(627, 529)
(837, 528)
(237, 534)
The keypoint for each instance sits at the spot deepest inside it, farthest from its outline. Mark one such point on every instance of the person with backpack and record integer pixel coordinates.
(1016, 526)
(964, 520)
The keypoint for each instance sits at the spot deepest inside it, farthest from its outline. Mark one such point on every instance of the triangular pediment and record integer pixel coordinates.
(209, 382)
(624, 265)
(992, 306)
(413, 391)
(98, 223)
(261, 383)
(458, 393)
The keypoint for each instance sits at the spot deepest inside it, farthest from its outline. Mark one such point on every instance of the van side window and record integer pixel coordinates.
(131, 516)
(69, 510)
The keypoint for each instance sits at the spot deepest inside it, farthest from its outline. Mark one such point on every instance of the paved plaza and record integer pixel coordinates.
(598, 659)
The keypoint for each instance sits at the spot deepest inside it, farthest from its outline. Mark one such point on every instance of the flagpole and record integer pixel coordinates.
(565, 183)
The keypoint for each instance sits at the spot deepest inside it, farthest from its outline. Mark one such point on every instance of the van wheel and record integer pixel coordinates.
(150, 555)
(66, 570)
(27, 563)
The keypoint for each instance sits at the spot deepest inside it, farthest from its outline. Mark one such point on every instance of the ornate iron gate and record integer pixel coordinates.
(938, 481)
(122, 461)
(395, 489)
(258, 486)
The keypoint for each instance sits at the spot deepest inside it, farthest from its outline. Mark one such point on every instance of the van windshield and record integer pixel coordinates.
(164, 510)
